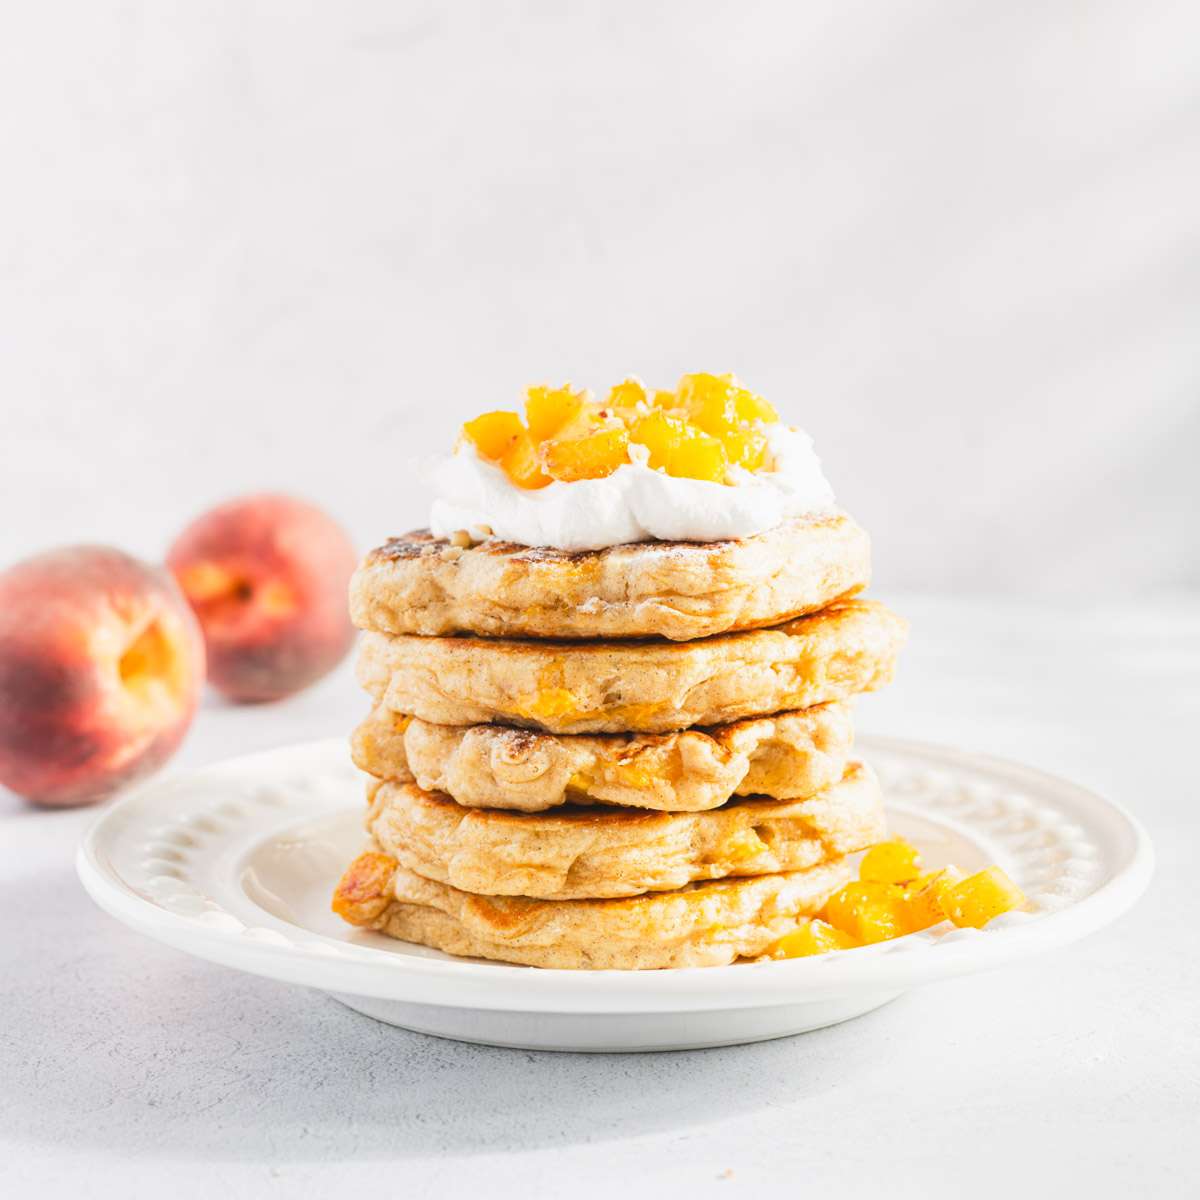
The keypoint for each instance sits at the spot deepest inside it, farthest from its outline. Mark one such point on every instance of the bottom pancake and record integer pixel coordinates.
(702, 925)
(600, 853)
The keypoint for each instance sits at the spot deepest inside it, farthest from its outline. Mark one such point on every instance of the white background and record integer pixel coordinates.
(290, 245)
(249, 245)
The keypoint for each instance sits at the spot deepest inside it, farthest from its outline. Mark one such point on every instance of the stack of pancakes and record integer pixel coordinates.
(628, 758)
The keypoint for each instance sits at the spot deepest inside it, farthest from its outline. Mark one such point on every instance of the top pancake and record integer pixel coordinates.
(677, 590)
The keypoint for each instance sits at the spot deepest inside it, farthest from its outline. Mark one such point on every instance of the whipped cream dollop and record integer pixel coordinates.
(634, 503)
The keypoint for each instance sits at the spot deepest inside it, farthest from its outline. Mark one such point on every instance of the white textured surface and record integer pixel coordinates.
(284, 243)
(125, 1067)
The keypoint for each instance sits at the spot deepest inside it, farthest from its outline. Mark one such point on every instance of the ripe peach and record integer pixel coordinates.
(267, 576)
(101, 664)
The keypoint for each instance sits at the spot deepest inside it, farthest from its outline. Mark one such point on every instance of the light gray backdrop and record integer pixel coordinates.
(290, 245)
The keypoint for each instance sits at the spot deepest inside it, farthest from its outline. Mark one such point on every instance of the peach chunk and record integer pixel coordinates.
(661, 435)
(744, 446)
(493, 433)
(869, 912)
(811, 937)
(679, 449)
(925, 896)
(890, 862)
(592, 456)
(977, 899)
(722, 398)
(718, 409)
(548, 410)
(267, 576)
(520, 463)
(101, 665)
(750, 407)
(627, 394)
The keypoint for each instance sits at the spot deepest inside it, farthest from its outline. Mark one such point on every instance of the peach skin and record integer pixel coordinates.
(267, 576)
(101, 665)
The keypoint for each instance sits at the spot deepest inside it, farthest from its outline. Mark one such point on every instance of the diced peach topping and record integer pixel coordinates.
(982, 896)
(520, 463)
(709, 424)
(679, 448)
(744, 447)
(890, 862)
(892, 897)
(628, 394)
(592, 456)
(924, 898)
(870, 912)
(493, 433)
(699, 456)
(660, 435)
(549, 410)
(811, 937)
(713, 398)
(750, 407)
(727, 411)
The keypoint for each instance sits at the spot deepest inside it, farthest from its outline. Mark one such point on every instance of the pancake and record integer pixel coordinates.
(786, 756)
(606, 852)
(635, 687)
(702, 925)
(419, 584)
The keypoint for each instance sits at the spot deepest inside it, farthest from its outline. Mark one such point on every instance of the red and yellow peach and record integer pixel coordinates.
(267, 577)
(101, 665)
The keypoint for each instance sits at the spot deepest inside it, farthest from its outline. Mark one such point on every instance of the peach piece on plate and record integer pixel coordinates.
(101, 665)
(267, 575)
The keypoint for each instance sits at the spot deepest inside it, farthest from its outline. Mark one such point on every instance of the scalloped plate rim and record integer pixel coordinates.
(369, 972)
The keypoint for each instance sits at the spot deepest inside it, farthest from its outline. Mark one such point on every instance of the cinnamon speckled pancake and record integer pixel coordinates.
(635, 687)
(787, 756)
(600, 852)
(418, 584)
(701, 925)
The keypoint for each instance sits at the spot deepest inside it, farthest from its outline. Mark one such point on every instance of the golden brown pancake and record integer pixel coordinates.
(599, 852)
(635, 687)
(420, 584)
(702, 925)
(787, 756)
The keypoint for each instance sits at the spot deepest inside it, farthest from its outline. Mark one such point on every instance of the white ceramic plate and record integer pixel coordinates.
(236, 864)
